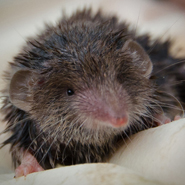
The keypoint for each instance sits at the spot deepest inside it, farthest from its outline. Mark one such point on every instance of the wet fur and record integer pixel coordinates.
(73, 54)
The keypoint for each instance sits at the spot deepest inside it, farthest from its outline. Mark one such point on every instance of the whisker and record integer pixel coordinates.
(171, 65)
(33, 141)
(156, 42)
(48, 148)
(175, 99)
(137, 22)
(176, 83)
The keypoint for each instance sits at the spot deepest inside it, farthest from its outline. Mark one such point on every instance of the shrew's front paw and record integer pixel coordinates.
(28, 165)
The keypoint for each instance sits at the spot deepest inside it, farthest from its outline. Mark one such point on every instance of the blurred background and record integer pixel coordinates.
(20, 19)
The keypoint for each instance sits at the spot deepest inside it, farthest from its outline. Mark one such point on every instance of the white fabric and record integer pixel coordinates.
(153, 156)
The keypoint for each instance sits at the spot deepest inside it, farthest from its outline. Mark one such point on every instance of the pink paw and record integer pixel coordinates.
(177, 117)
(28, 165)
(162, 119)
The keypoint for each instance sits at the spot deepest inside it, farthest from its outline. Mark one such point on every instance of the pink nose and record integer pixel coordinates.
(119, 122)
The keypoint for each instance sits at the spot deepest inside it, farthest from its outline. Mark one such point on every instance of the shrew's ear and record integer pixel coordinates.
(140, 57)
(20, 91)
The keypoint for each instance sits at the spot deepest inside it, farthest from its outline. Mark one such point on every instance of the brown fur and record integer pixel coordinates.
(84, 53)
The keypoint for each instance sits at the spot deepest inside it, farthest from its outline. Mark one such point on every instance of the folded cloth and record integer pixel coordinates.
(153, 156)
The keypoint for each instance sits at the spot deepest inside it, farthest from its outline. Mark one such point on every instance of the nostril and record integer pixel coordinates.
(119, 122)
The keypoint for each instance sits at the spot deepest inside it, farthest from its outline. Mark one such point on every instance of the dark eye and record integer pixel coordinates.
(70, 92)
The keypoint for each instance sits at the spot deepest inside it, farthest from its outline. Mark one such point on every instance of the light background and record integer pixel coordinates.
(22, 18)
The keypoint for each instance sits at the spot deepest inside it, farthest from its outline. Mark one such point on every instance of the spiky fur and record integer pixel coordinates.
(83, 52)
